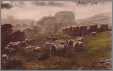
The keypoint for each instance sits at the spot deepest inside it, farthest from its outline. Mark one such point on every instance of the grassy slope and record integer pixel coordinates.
(100, 45)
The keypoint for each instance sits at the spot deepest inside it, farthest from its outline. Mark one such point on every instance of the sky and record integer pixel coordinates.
(29, 10)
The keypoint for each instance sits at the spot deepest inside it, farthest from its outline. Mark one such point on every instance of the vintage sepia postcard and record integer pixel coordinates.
(56, 34)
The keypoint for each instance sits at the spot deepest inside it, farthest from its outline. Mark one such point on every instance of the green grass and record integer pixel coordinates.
(100, 44)
(99, 41)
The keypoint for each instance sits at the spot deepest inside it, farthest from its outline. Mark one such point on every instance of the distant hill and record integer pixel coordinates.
(103, 18)
(19, 24)
(49, 23)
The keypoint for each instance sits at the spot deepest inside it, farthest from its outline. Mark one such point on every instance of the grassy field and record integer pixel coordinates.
(98, 47)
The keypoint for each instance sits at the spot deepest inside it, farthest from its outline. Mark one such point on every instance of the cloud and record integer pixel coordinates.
(48, 3)
(35, 12)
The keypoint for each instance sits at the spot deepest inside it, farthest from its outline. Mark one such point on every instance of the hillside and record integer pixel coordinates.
(104, 18)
